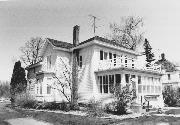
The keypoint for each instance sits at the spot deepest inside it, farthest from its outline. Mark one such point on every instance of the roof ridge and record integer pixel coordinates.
(61, 44)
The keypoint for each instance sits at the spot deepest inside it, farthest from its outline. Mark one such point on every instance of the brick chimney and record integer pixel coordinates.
(74, 90)
(163, 56)
(76, 35)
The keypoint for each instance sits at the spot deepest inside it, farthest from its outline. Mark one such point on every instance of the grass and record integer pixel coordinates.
(66, 119)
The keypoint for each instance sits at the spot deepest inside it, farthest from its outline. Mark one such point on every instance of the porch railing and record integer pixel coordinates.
(119, 63)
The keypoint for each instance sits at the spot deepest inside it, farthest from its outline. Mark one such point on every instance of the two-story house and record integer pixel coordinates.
(171, 76)
(102, 63)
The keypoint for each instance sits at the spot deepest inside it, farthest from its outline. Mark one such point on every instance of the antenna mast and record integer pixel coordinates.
(94, 23)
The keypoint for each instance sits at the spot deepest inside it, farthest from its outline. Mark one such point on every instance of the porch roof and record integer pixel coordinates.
(131, 70)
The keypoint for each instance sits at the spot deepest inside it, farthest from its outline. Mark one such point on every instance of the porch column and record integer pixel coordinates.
(123, 81)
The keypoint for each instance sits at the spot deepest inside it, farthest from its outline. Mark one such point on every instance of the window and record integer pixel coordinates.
(101, 55)
(39, 86)
(100, 83)
(144, 88)
(139, 88)
(80, 61)
(49, 62)
(133, 63)
(139, 79)
(105, 55)
(105, 83)
(152, 89)
(127, 78)
(48, 89)
(125, 61)
(156, 89)
(49, 80)
(114, 55)
(118, 79)
(159, 89)
(169, 76)
(111, 83)
(110, 55)
(148, 89)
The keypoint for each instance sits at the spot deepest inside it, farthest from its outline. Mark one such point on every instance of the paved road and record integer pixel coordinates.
(11, 117)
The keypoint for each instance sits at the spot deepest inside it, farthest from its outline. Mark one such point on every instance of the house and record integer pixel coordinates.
(171, 76)
(102, 64)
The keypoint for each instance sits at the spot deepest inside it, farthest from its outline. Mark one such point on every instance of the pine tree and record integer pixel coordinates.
(148, 53)
(18, 80)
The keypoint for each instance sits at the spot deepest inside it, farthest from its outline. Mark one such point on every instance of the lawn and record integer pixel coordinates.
(66, 119)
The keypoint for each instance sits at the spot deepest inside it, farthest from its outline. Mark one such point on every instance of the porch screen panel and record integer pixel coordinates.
(152, 89)
(105, 84)
(127, 78)
(111, 83)
(118, 79)
(40, 82)
(100, 83)
(139, 88)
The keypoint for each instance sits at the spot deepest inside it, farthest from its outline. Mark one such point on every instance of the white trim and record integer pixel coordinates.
(98, 42)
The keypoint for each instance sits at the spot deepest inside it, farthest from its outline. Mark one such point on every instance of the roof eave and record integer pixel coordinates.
(98, 42)
(131, 69)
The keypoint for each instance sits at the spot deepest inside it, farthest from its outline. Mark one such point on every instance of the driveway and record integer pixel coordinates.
(12, 117)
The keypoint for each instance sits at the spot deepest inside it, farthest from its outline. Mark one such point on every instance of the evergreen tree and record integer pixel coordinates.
(18, 80)
(148, 53)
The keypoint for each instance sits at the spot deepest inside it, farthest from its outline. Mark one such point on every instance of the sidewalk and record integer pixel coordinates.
(26, 121)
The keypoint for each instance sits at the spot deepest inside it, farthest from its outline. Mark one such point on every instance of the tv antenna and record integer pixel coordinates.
(94, 23)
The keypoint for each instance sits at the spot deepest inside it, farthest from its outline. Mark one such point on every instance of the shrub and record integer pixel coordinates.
(24, 100)
(122, 97)
(64, 106)
(170, 96)
(4, 89)
(94, 108)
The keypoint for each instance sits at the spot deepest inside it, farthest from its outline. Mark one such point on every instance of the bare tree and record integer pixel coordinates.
(31, 51)
(63, 77)
(128, 33)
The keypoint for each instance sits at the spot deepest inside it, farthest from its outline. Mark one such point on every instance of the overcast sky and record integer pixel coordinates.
(22, 19)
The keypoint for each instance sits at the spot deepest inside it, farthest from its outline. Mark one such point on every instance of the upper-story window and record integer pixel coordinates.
(101, 55)
(110, 55)
(80, 61)
(105, 55)
(114, 55)
(126, 61)
(169, 76)
(132, 63)
(49, 62)
(139, 79)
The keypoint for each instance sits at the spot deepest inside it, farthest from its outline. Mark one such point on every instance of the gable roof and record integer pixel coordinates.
(61, 44)
(112, 42)
(67, 45)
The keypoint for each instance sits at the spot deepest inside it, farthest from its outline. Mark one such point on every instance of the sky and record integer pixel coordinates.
(20, 20)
